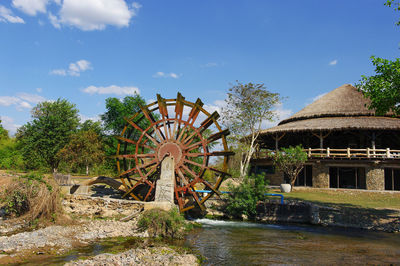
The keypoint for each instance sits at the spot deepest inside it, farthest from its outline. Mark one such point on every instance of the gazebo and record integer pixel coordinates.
(348, 146)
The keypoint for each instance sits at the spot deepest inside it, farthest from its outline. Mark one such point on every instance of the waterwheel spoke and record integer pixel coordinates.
(218, 135)
(195, 111)
(132, 188)
(208, 121)
(135, 142)
(162, 108)
(196, 198)
(205, 182)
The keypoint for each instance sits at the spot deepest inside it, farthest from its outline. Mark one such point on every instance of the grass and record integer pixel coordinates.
(351, 198)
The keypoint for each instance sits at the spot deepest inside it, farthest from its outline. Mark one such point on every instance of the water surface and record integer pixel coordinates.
(240, 243)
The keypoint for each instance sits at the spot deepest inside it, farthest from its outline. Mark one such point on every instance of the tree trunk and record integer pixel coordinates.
(292, 180)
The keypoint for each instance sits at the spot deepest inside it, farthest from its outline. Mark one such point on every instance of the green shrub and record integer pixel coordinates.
(243, 198)
(31, 197)
(165, 224)
(10, 156)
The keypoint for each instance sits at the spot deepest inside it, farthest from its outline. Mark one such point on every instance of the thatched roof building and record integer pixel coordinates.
(343, 109)
(348, 146)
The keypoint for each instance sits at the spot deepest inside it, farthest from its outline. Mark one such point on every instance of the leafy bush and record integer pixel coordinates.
(31, 197)
(243, 198)
(165, 224)
(10, 156)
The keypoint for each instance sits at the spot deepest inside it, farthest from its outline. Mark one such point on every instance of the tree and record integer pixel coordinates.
(383, 89)
(84, 149)
(117, 110)
(243, 198)
(3, 132)
(247, 106)
(114, 122)
(50, 130)
(396, 6)
(290, 161)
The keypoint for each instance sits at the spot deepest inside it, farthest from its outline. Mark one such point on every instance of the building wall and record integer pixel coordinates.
(375, 178)
(320, 172)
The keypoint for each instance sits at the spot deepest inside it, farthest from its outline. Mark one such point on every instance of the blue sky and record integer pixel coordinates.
(88, 50)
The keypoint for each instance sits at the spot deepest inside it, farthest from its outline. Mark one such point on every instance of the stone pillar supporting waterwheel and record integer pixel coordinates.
(173, 128)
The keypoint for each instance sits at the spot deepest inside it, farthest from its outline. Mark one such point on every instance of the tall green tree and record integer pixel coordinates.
(383, 89)
(49, 131)
(395, 5)
(3, 132)
(114, 122)
(85, 149)
(247, 107)
(290, 161)
(117, 110)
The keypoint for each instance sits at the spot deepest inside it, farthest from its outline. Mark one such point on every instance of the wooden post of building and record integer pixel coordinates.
(328, 153)
(368, 153)
(387, 152)
(348, 152)
(373, 143)
(277, 139)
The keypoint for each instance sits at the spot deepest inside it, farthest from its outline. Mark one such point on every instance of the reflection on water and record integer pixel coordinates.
(239, 243)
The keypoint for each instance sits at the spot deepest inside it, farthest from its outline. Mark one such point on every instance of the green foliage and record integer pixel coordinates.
(10, 155)
(247, 106)
(3, 132)
(114, 123)
(290, 161)
(31, 194)
(117, 110)
(243, 198)
(83, 150)
(50, 130)
(396, 6)
(165, 224)
(383, 89)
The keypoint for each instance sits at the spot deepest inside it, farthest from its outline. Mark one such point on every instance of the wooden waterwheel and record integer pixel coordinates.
(169, 127)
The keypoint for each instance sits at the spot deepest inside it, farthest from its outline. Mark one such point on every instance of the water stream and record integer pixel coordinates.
(240, 243)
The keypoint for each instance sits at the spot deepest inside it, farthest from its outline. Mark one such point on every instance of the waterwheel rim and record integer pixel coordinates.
(172, 127)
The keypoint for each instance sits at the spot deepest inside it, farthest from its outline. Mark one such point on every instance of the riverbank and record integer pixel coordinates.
(94, 220)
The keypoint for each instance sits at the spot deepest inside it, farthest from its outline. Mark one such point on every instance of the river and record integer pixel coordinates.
(241, 243)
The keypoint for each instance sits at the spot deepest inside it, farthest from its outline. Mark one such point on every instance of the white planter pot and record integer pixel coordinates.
(285, 188)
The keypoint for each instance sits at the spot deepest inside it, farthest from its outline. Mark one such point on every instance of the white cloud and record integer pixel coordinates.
(58, 72)
(6, 15)
(74, 69)
(93, 118)
(211, 64)
(113, 89)
(166, 75)
(32, 98)
(281, 114)
(21, 101)
(31, 7)
(10, 100)
(318, 97)
(8, 123)
(334, 62)
(90, 15)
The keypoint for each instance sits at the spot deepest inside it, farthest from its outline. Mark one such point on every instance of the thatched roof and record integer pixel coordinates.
(338, 123)
(343, 108)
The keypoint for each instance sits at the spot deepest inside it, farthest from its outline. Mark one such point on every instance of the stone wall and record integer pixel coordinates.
(305, 212)
(320, 175)
(102, 207)
(375, 178)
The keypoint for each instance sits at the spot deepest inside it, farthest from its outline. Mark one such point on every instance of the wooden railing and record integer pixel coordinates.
(341, 153)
